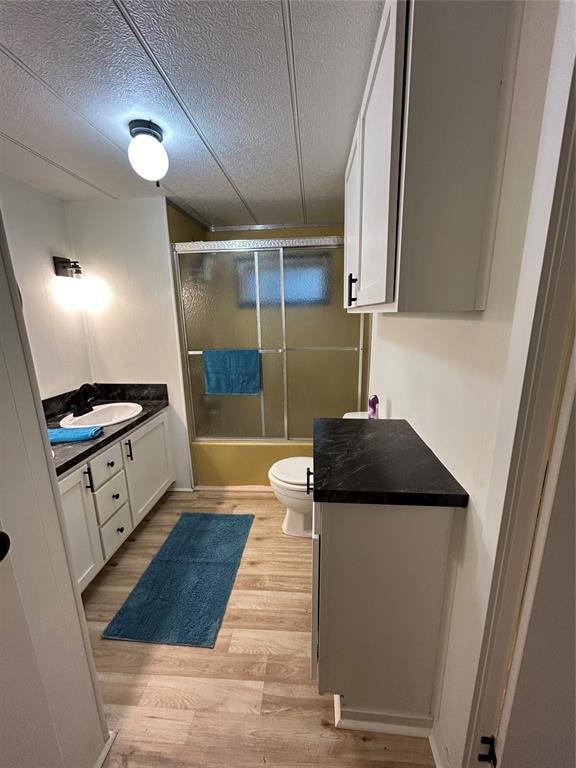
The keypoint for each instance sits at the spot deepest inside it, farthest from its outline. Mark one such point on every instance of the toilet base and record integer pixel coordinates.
(297, 524)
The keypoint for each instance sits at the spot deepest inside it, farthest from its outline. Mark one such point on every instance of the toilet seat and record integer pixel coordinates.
(291, 473)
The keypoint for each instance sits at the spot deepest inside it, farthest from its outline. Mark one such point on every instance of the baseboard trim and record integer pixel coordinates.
(349, 718)
(106, 749)
(438, 747)
(236, 488)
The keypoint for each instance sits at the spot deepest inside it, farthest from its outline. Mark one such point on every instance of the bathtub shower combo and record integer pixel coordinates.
(284, 299)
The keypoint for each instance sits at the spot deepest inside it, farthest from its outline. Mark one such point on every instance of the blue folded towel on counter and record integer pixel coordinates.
(74, 434)
(232, 371)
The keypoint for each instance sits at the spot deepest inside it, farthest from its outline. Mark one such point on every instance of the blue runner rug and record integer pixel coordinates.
(182, 595)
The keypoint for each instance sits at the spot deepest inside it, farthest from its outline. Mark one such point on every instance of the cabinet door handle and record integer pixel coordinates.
(90, 485)
(4, 545)
(110, 463)
(120, 530)
(129, 447)
(351, 281)
(309, 474)
(116, 496)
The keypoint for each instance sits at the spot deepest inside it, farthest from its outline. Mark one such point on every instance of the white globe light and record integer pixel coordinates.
(148, 157)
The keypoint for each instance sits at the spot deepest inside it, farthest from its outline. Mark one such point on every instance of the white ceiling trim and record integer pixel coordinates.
(29, 71)
(291, 62)
(56, 165)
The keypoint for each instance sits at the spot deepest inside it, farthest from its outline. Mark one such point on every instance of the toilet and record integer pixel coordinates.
(288, 480)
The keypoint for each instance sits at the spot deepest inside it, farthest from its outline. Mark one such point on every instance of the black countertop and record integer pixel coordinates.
(379, 461)
(152, 397)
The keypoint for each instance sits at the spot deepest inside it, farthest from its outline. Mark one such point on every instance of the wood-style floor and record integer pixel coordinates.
(249, 701)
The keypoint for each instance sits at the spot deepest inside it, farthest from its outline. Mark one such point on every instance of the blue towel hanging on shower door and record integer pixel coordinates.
(232, 371)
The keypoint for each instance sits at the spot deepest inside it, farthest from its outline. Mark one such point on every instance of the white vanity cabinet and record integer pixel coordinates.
(422, 170)
(148, 466)
(382, 576)
(106, 498)
(81, 525)
(384, 559)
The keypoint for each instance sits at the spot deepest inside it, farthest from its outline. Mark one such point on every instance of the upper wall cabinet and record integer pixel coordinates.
(421, 178)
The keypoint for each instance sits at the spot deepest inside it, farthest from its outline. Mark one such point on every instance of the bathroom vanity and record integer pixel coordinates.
(109, 484)
(384, 545)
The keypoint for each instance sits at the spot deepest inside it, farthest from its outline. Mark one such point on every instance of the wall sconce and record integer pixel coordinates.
(66, 267)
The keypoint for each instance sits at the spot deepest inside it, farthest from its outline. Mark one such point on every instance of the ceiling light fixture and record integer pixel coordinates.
(146, 154)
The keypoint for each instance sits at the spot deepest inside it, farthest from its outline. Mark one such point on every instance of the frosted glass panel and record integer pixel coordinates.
(240, 415)
(313, 287)
(270, 294)
(222, 415)
(273, 388)
(216, 291)
(321, 384)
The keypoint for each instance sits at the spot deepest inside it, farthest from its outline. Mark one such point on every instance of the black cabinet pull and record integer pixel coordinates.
(116, 496)
(90, 485)
(490, 742)
(129, 446)
(4, 545)
(111, 463)
(120, 530)
(351, 281)
(309, 474)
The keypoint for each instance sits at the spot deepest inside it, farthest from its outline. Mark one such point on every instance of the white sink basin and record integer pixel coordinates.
(103, 415)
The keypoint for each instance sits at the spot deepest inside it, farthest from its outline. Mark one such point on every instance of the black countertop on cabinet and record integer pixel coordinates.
(152, 397)
(379, 461)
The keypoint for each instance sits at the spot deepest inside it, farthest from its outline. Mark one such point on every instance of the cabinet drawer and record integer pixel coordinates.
(111, 496)
(116, 530)
(106, 465)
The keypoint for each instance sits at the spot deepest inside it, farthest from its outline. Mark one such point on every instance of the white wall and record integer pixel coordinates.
(445, 375)
(126, 329)
(133, 337)
(36, 229)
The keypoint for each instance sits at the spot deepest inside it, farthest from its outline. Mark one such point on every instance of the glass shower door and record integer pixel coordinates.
(223, 309)
(285, 302)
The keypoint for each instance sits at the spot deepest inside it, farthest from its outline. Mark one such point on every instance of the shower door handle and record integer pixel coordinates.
(309, 474)
(351, 281)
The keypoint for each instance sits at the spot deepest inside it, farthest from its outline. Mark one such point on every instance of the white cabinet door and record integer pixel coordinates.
(380, 128)
(148, 466)
(81, 526)
(352, 209)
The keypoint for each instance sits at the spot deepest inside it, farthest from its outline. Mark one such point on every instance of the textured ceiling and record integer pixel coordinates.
(257, 100)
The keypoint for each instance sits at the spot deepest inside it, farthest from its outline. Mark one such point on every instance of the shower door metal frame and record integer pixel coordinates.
(207, 246)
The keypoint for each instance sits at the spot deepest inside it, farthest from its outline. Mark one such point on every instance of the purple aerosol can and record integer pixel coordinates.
(373, 407)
